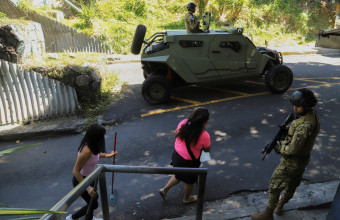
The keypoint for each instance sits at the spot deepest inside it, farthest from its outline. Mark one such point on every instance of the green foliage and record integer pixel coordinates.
(136, 6)
(87, 15)
(64, 59)
(277, 21)
(25, 212)
(2, 15)
(230, 9)
(109, 81)
(2, 153)
(26, 5)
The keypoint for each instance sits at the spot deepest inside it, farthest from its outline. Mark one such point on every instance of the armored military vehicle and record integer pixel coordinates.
(175, 58)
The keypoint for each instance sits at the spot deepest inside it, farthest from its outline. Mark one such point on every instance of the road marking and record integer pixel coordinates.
(317, 86)
(201, 103)
(184, 100)
(331, 77)
(242, 95)
(257, 83)
(227, 90)
(309, 80)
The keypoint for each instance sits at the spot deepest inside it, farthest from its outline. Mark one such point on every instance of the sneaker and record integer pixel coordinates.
(69, 217)
(94, 218)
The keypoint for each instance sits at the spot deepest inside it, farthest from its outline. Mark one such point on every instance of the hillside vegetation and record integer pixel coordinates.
(279, 22)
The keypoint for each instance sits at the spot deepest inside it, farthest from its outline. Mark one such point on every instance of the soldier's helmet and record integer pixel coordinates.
(303, 97)
(191, 6)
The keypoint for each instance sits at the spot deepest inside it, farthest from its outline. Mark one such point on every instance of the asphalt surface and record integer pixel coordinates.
(237, 206)
(75, 124)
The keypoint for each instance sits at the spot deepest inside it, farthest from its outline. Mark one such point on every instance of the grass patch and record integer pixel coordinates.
(5, 21)
(279, 22)
(59, 59)
(27, 5)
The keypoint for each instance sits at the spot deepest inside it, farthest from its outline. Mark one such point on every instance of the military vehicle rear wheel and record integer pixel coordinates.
(138, 39)
(156, 89)
(279, 78)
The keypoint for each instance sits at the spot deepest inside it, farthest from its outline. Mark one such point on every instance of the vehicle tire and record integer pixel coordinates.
(138, 39)
(279, 78)
(156, 89)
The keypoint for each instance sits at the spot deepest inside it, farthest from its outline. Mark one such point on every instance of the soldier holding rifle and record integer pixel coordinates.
(295, 149)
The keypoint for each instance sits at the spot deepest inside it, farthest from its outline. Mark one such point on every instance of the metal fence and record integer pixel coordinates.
(29, 96)
(58, 37)
(99, 174)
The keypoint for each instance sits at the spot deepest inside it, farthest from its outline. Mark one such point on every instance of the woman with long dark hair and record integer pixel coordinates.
(191, 139)
(92, 147)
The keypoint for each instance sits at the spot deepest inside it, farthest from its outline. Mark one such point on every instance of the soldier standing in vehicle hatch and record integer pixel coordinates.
(192, 24)
(295, 149)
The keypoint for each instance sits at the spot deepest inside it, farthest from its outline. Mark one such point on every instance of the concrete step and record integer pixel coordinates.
(311, 201)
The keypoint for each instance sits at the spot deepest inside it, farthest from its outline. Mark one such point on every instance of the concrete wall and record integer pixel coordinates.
(58, 37)
(26, 39)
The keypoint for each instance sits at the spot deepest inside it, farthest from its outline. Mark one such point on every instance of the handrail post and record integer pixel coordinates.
(99, 173)
(201, 189)
(103, 196)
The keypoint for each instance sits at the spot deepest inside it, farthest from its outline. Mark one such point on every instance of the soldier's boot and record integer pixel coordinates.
(279, 208)
(266, 215)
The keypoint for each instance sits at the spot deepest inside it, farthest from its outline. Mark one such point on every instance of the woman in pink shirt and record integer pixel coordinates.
(189, 133)
(90, 150)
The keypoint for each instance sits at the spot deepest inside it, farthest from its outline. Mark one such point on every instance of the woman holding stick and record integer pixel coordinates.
(92, 147)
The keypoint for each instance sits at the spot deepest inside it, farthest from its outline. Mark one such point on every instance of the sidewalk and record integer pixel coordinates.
(311, 201)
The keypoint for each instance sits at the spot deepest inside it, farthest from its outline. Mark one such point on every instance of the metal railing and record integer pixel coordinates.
(99, 173)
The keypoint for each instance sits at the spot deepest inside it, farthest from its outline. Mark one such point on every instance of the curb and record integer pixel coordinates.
(308, 196)
(308, 50)
(39, 129)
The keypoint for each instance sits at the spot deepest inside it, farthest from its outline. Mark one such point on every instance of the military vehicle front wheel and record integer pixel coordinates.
(138, 39)
(279, 78)
(156, 89)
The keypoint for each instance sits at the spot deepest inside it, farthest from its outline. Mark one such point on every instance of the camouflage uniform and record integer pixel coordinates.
(192, 24)
(295, 150)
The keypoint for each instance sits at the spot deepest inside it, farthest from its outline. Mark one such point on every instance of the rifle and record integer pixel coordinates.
(280, 134)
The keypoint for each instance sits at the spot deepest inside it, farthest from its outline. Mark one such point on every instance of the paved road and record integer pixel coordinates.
(243, 118)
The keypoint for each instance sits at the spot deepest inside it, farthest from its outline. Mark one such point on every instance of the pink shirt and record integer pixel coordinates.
(90, 165)
(180, 146)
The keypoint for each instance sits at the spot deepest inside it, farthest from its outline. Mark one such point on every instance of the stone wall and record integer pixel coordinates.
(84, 79)
(18, 41)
